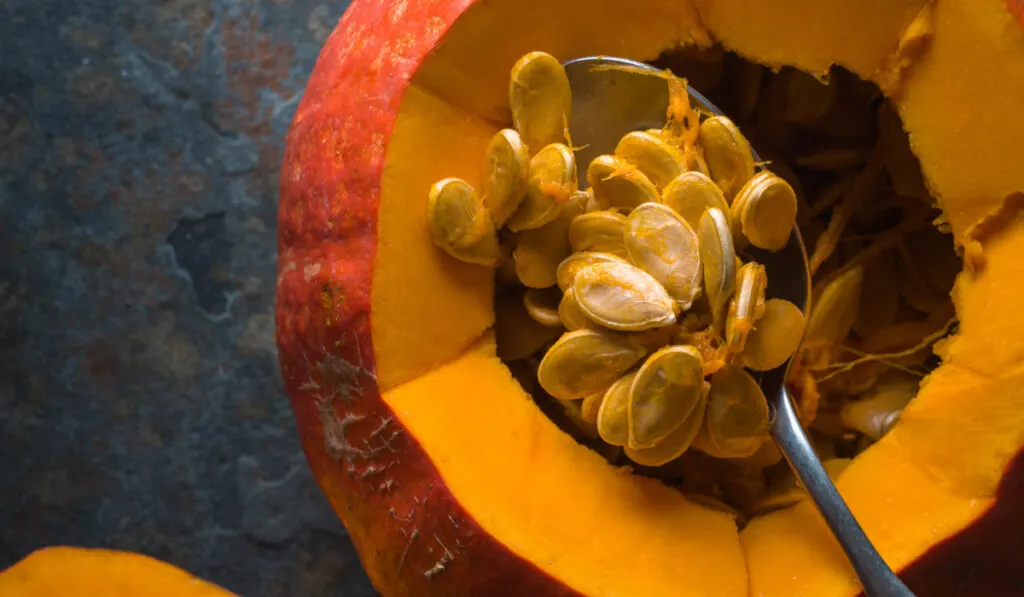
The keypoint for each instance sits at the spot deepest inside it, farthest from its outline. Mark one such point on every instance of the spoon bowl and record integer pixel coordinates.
(609, 103)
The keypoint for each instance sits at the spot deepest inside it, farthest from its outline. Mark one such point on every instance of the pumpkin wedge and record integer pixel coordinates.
(84, 572)
(449, 478)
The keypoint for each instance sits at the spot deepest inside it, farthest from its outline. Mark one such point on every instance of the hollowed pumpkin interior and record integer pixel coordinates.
(560, 505)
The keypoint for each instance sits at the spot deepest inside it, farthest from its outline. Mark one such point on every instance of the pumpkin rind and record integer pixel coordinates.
(380, 334)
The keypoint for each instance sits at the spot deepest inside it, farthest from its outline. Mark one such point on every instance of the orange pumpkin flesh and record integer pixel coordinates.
(448, 477)
(84, 572)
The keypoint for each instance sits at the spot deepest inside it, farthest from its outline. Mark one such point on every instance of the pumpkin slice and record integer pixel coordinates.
(86, 572)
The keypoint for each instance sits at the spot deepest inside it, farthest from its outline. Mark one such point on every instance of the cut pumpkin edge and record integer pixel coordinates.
(528, 462)
(920, 495)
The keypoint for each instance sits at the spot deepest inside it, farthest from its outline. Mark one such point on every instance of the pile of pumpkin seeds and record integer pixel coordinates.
(627, 310)
(645, 319)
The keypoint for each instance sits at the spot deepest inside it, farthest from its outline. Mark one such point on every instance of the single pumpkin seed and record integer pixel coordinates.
(517, 334)
(746, 306)
(654, 157)
(764, 211)
(572, 264)
(540, 98)
(781, 168)
(613, 417)
(775, 336)
(616, 182)
(551, 183)
(690, 194)
(569, 312)
(623, 297)
(875, 414)
(833, 314)
(601, 231)
(736, 419)
(586, 361)
(719, 260)
(459, 223)
(661, 243)
(666, 390)
(542, 305)
(674, 444)
(506, 175)
(539, 250)
(727, 153)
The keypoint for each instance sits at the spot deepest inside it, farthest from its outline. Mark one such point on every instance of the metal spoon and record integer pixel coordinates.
(607, 104)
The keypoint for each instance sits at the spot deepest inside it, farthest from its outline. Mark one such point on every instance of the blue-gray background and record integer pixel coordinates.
(140, 402)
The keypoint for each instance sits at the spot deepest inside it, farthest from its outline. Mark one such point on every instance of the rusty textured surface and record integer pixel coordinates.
(141, 405)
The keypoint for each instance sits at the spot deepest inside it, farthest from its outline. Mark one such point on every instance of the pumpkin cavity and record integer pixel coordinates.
(632, 309)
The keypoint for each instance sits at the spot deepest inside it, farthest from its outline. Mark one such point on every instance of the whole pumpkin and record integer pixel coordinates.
(448, 477)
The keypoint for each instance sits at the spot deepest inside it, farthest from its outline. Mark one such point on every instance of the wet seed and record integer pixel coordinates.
(612, 416)
(719, 260)
(459, 223)
(661, 243)
(586, 361)
(746, 306)
(690, 194)
(674, 444)
(654, 157)
(572, 264)
(506, 170)
(617, 183)
(623, 297)
(601, 231)
(667, 388)
(551, 183)
(775, 336)
(736, 419)
(764, 211)
(540, 98)
(727, 153)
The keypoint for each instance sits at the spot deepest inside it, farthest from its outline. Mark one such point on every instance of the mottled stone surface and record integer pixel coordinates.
(140, 402)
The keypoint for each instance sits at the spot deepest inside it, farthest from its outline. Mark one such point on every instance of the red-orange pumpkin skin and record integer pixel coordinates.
(983, 559)
(411, 535)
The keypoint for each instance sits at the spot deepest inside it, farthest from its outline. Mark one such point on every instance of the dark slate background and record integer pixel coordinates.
(140, 402)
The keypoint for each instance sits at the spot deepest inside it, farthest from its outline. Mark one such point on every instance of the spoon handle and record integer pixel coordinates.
(875, 575)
